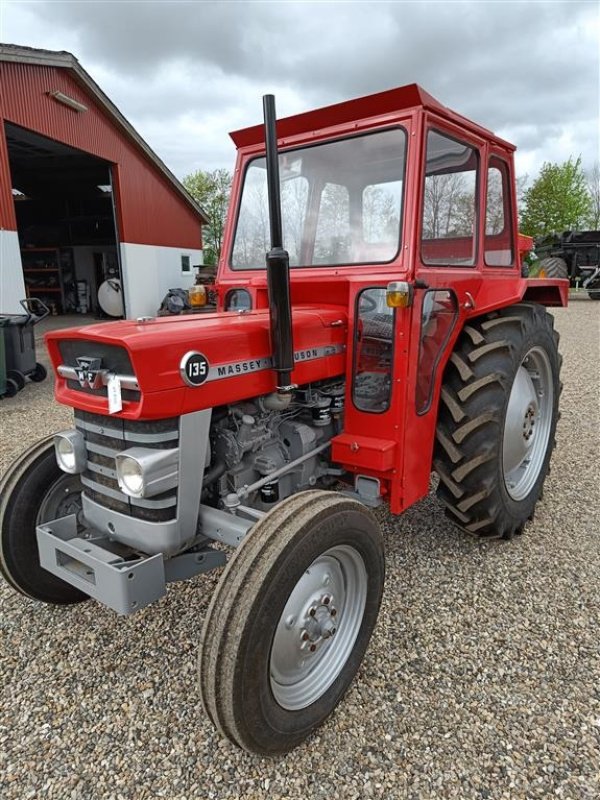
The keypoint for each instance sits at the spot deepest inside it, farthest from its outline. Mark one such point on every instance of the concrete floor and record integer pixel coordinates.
(61, 321)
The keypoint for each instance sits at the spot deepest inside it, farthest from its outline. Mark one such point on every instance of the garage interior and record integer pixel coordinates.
(66, 225)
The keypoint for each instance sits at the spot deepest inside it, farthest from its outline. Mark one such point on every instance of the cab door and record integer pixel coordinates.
(448, 268)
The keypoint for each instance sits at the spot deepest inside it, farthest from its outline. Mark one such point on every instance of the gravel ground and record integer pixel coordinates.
(482, 679)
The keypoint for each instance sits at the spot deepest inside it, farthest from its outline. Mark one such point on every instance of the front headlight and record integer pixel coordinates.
(142, 472)
(69, 448)
(130, 476)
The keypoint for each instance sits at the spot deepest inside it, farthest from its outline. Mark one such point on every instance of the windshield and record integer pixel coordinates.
(341, 203)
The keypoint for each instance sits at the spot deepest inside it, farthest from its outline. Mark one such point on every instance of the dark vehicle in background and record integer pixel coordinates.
(574, 255)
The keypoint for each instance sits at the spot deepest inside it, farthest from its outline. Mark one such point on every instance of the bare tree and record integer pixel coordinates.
(449, 206)
(294, 200)
(381, 212)
(522, 183)
(332, 235)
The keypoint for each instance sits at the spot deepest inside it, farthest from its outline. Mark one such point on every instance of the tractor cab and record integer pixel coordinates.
(401, 213)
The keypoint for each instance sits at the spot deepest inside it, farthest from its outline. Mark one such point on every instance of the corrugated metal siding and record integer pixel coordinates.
(149, 208)
(8, 219)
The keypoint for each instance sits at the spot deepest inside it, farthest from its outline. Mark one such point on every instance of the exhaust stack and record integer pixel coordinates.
(278, 262)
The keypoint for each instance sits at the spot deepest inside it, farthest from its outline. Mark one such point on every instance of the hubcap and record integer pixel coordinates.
(61, 499)
(528, 423)
(318, 628)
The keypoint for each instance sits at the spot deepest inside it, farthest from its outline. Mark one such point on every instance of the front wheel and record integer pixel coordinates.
(34, 490)
(290, 621)
(497, 420)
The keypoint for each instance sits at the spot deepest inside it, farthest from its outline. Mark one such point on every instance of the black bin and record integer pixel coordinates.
(19, 342)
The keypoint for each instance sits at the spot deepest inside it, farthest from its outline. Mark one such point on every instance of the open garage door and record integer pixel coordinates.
(66, 225)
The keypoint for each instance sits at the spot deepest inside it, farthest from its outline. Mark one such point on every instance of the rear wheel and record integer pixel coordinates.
(33, 491)
(497, 420)
(290, 621)
(554, 267)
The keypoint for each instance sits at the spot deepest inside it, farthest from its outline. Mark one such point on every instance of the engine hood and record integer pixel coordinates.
(235, 350)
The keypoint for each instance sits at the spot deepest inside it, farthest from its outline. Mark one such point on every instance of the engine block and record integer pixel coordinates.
(249, 442)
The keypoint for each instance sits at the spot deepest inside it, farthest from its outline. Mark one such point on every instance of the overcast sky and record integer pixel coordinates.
(187, 73)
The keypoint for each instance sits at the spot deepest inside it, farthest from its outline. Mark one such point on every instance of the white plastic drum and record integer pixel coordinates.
(110, 297)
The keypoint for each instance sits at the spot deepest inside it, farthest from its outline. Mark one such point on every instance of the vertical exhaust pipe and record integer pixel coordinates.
(278, 262)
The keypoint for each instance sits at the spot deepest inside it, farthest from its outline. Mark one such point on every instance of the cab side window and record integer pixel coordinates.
(373, 352)
(450, 212)
(498, 243)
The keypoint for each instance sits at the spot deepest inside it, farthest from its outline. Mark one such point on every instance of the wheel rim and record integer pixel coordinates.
(317, 631)
(61, 499)
(528, 423)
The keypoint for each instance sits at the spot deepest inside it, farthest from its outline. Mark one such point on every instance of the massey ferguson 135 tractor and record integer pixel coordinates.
(389, 334)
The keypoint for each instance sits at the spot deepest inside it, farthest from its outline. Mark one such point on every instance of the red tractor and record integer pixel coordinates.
(390, 333)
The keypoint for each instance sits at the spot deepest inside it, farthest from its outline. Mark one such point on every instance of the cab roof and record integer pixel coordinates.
(373, 105)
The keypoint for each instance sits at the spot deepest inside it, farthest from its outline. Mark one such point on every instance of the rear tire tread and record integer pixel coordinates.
(554, 267)
(477, 383)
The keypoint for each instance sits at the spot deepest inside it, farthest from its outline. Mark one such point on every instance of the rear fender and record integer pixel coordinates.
(546, 292)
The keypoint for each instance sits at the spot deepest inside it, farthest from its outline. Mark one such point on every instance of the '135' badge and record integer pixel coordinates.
(194, 368)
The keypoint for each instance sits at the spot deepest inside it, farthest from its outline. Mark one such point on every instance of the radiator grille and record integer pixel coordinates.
(107, 436)
(114, 358)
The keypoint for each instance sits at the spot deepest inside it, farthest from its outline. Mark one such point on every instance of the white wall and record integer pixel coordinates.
(149, 272)
(12, 286)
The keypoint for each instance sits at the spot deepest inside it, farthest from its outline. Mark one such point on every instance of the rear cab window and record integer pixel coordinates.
(498, 244)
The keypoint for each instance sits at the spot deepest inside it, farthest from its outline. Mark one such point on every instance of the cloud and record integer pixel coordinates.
(186, 73)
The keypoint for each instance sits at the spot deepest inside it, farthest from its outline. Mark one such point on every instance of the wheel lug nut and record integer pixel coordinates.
(312, 612)
(305, 636)
(333, 611)
(313, 647)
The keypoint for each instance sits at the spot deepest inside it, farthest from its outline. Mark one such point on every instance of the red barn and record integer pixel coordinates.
(83, 198)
